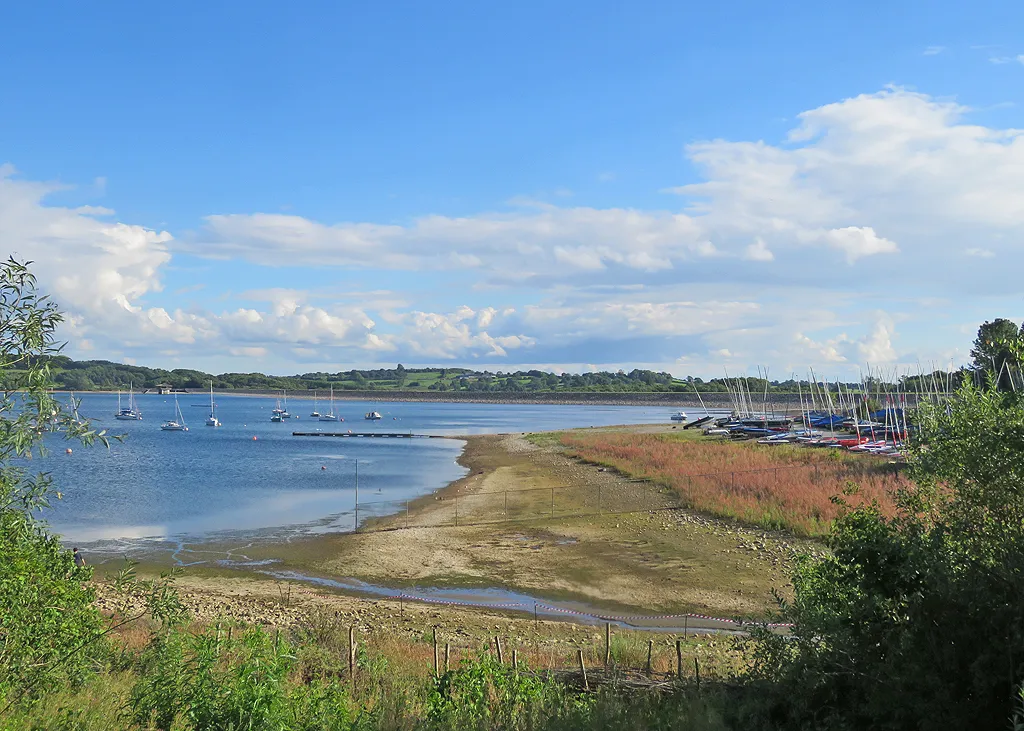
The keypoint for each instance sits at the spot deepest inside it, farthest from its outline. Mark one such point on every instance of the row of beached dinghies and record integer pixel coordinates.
(884, 432)
(827, 419)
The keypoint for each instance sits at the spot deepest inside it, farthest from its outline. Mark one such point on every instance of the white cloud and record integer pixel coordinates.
(934, 50)
(579, 239)
(856, 242)
(882, 174)
(876, 348)
(887, 185)
(459, 333)
(758, 251)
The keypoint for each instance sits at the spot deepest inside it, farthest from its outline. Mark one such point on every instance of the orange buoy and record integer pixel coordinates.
(254, 438)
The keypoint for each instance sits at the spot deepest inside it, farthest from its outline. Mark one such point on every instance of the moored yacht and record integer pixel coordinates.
(211, 420)
(330, 415)
(178, 422)
(131, 413)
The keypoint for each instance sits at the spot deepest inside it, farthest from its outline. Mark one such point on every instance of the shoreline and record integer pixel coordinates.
(668, 400)
(659, 561)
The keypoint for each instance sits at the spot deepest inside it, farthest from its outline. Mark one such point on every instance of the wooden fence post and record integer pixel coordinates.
(447, 656)
(436, 659)
(607, 644)
(679, 659)
(650, 652)
(583, 668)
(352, 655)
(497, 647)
(696, 673)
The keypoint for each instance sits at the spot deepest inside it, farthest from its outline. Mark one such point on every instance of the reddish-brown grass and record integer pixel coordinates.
(779, 487)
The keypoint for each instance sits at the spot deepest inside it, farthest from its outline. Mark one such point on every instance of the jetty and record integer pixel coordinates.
(374, 435)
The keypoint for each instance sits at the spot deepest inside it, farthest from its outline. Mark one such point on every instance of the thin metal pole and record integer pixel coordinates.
(356, 526)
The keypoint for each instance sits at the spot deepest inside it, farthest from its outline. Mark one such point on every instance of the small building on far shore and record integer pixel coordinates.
(164, 388)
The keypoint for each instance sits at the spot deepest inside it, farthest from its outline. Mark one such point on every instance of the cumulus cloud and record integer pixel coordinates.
(876, 348)
(873, 176)
(577, 239)
(865, 200)
(460, 333)
(102, 274)
(758, 251)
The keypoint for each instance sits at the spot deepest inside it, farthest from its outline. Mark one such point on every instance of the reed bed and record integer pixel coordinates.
(779, 487)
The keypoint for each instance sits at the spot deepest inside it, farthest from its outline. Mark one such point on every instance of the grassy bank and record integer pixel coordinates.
(228, 675)
(784, 487)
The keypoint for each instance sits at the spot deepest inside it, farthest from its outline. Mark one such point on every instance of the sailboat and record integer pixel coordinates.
(330, 415)
(211, 420)
(278, 413)
(178, 422)
(131, 413)
(315, 412)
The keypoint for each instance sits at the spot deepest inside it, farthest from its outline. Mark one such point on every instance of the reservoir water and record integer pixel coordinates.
(251, 476)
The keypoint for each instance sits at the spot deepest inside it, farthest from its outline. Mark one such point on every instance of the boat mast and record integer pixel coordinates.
(706, 412)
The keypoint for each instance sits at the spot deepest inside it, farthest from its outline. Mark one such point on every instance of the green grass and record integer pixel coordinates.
(199, 678)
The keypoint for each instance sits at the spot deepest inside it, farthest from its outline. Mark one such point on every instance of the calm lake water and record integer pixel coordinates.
(212, 483)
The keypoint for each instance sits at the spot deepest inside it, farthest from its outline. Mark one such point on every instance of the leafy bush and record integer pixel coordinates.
(202, 681)
(916, 621)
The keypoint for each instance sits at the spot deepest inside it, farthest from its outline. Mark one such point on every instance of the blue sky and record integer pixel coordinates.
(557, 185)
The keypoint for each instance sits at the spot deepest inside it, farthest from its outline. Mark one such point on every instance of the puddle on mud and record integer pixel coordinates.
(518, 602)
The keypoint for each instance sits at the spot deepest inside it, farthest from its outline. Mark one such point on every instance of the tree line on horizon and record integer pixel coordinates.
(991, 358)
(90, 375)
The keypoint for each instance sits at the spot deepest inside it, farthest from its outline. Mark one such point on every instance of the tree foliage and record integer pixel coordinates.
(994, 350)
(916, 622)
(46, 611)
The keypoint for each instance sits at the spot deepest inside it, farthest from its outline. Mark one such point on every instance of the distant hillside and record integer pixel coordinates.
(92, 375)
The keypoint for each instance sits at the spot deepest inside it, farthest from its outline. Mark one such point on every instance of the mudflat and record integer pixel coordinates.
(657, 560)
